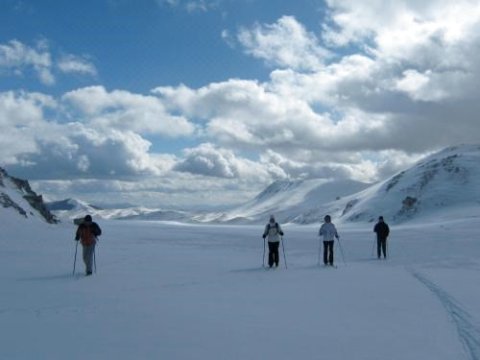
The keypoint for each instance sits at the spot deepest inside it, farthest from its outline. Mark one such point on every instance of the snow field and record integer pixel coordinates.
(169, 291)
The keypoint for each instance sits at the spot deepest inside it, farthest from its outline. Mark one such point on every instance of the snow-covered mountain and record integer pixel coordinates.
(75, 208)
(18, 199)
(301, 201)
(71, 207)
(447, 182)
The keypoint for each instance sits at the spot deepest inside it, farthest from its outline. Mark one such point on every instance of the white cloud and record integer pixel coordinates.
(172, 190)
(76, 64)
(323, 165)
(413, 72)
(199, 5)
(421, 87)
(21, 117)
(244, 114)
(38, 147)
(436, 35)
(285, 43)
(191, 6)
(20, 109)
(123, 110)
(19, 59)
(209, 160)
(75, 151)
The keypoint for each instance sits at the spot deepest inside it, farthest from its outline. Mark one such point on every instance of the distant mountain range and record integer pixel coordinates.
(444, 184)
(74, 208)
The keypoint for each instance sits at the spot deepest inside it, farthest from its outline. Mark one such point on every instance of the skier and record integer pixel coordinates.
(87, 233)
(329, 233)
(273, 231)
(382, 230)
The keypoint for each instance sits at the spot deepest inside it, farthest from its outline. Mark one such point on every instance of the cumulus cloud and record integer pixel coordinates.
(406, 86)
(20, 59)
(124, 110)
(410, 76)
(285, 43)
(439, 36)
(36, 146)
(79, 151)
(245, 114)
(21, 117)
(75, 151)
(209, 160)
(323, 165)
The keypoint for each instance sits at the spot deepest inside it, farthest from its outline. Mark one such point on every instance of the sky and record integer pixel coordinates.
(202, 104)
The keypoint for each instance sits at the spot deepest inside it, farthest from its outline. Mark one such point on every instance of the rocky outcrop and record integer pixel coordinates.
(21, 186)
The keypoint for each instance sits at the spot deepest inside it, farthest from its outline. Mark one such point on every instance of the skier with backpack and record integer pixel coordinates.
(273, 232)
(382, 230)
(329, 233)
(87, 233)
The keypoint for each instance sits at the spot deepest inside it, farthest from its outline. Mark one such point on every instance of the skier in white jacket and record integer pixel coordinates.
(329, 233)
(273, 232)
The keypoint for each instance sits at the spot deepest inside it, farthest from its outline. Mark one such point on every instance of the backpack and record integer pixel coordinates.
(276, 226)
(88, 234)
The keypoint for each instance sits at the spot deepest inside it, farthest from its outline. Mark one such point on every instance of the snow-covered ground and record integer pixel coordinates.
(170, 291)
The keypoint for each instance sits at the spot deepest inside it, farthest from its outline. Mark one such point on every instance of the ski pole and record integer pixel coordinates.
(94, 260)
(341, 250)
(319, 250)
(284, 256)
(75, 258)
(373, 248)
(263, 258)
(95, 255)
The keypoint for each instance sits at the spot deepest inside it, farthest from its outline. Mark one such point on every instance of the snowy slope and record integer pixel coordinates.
(444, 184)
(72, 208)
(302, 201)
(200, 292)
(17, 199)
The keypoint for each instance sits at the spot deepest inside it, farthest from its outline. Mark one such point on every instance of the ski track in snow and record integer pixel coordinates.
(468, 331)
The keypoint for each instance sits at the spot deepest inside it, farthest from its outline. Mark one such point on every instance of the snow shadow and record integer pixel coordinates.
(56, 277)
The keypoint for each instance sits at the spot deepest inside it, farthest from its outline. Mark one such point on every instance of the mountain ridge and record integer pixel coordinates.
(449, 178)
(17, 195)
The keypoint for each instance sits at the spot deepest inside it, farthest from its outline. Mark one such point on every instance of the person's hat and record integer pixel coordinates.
(88, 218)
(327, 218)
(380, 218)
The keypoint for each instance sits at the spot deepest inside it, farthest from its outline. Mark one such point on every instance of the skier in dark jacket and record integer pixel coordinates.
(87, 233)
(382, 230)
(273, 231)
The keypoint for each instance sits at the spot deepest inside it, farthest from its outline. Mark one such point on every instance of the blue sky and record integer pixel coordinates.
(200, 103)
(139, 45)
